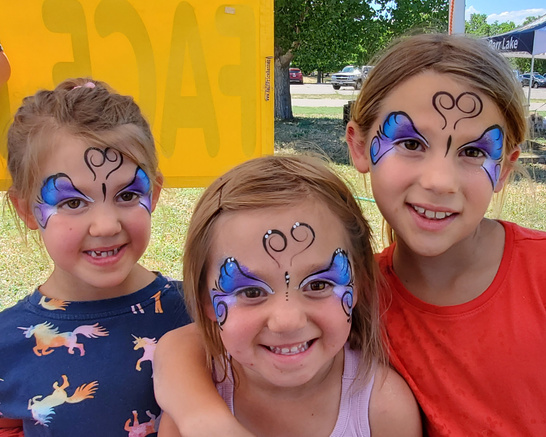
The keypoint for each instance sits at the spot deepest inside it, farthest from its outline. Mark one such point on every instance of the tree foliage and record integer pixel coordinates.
(325, 35)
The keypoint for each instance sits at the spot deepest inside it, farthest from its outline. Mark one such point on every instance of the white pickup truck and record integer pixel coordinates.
(350, 76)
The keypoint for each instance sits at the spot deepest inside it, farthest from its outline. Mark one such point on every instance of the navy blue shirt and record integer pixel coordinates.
(85, 368)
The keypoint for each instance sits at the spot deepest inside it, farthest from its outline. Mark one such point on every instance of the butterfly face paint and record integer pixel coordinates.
(58, 190)
(142, 187)
(396, 128)
(233, 281)
(490, 144)
(339, 275)
(399, 127)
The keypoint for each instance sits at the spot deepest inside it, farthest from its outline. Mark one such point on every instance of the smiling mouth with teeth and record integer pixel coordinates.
(102, 254)
(434, 215)
(293, 350)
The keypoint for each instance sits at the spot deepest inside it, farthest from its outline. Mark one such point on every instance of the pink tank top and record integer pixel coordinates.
(352, 419)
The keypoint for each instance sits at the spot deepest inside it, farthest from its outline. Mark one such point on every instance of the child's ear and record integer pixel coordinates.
(507, 169)
(357, 147)
(158, 185)
(209, 310)
(24, 211)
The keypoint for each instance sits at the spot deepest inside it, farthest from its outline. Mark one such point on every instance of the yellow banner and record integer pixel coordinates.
(201, 70)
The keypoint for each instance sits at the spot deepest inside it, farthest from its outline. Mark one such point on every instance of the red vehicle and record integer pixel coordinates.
(296, 76)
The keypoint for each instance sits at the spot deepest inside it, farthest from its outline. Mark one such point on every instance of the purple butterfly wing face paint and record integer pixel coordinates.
(233, 280)
(397, 126)
(340, 275)
(56, 190)
(490, 143)
(142, 187)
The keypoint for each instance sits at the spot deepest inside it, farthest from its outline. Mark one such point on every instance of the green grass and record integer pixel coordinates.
(317, 111)
(317, 130)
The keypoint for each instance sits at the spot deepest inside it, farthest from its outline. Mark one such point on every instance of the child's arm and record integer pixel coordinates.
(184, 387)
(11, 428)
(393, 410)
(167, 427)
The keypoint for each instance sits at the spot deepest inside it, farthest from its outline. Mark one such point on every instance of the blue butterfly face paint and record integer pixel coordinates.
(396, 128)
(490, 144)
(141, 187)
(56, 191)
(339, 276)
(233, 281)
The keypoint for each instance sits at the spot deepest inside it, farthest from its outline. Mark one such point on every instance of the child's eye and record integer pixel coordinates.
(128, 196)
(473, 152)
(251, 294)
(410, 144)
(72, 204)
(317, 287)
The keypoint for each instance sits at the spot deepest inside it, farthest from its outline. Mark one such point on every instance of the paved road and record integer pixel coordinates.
(350, 94)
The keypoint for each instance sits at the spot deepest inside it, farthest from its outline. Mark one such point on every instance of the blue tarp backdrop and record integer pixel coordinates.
(527, 41)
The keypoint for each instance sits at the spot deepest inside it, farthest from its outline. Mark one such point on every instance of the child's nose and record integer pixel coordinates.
(105, 222)
(287, 315)
(439, 174)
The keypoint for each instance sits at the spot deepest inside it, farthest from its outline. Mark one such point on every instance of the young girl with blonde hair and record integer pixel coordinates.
(281, 280)
(77, 352)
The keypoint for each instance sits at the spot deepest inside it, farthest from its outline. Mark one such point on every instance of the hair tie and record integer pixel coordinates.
(85, 85)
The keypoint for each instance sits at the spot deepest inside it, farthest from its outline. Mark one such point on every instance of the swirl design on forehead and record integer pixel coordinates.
(275, 241)
(96, 158)
(466, 105)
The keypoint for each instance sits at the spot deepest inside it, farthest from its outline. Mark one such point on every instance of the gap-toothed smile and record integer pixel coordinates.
(102, 254)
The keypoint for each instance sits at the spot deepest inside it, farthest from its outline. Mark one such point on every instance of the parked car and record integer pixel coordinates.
(538, 80)
(296, 75)
(349, 76)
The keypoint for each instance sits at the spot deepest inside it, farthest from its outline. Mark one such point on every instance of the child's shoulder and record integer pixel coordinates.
(393, 408)
(521, 233)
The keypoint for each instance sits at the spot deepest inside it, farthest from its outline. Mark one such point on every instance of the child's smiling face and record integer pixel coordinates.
(93, 209)
(281, 288)
(434, 157)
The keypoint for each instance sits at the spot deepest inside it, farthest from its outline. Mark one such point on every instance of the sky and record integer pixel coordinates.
(505, 10)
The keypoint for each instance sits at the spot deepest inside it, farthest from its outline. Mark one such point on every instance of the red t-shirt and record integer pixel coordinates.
(479, 368)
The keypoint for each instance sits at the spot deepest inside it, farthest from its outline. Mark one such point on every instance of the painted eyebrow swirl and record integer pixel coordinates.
(466, 105)
(275, 241)
(55, 190)
(339, 272)
(232, 278)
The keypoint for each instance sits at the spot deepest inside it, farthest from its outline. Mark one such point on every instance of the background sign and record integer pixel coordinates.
(201, 70)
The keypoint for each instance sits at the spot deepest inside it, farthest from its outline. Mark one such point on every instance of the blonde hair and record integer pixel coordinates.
(277, 181)
(466, 59)
(83, 108)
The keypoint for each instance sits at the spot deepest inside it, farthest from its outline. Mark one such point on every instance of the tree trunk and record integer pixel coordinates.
(319, 76)
(283, 100)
